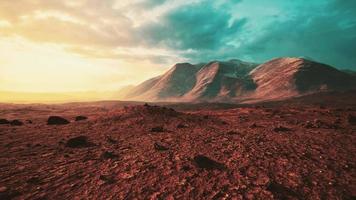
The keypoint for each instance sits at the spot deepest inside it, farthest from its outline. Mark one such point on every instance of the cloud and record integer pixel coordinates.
(326, 33)
(197, 26)
(195, 30)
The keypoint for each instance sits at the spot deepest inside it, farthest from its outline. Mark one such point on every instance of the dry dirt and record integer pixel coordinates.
(267, 151)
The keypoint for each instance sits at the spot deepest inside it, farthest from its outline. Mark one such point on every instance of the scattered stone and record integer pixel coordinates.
(78, 142)
(107, 179)
(281, 192)
(181, 125)
(3, 189)
(33, 180)
(351, 119)
(207, 163)
(80, 118)
(16, 123)
(309, 124)
(254, 125)
(281, 129)
(160, 147)
(232, 133)
(5, 193)
(4, 121)
(56, 120)
(109, 155)
(110, 140)
(157, 129)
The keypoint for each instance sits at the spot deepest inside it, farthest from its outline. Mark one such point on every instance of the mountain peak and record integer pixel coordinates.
(235, 79)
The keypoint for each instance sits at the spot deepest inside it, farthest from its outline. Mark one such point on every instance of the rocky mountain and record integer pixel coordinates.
(237, 81)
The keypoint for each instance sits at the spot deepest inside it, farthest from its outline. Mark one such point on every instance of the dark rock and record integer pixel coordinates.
(6, 193)
(309, 124)
(232, 133)
(4, 121)
(79, 142)
(29, 121)
(206, 163)
(160, 147)
(282, 192)
(56, 120)
(107, 179)
(157, 129)
(109, 155)
(110, 140)
(16, 123)
(80, 118)
(33, 180)
(351, 119)
(281, 129)
(254, 125)
(182, 125)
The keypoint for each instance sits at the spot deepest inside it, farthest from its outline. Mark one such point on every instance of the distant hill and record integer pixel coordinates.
(239, 81)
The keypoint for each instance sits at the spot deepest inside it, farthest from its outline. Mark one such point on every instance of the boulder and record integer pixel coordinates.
(160, 147)
(16, 123)
(80, 118)
(207, 163)
(78, 142)
(351, 119)
(56, 120)
(157, 129)
(4, 121)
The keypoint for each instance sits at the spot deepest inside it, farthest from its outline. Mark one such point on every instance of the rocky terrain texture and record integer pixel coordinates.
(298, 149)
(239, 81)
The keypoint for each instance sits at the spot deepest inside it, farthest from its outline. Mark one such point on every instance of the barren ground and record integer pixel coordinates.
(268, 151)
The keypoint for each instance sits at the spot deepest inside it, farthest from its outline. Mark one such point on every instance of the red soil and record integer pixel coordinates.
(274, 151)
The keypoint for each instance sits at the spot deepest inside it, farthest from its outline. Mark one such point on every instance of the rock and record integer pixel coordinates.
(56, 120)
(110, 140)
(29, 121)
(4, 121)
(253, 125)
(16, 123)
(80, 118)
(33, 180)
(281, 129)
(232, 133)
(207, 163)
(351, 119)
(78, 142)
(3, 189)
(309, 124)
(107, 179)
(182, 125)
(282, 192)
(109, 155)
(160, 147)
(157, 129)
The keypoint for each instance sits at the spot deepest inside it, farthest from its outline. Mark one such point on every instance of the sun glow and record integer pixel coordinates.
(49, 68)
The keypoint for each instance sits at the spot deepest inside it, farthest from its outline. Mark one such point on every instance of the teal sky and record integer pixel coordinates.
(258, 30)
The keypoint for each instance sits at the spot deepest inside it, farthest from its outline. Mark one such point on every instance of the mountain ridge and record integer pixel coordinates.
(239, 81)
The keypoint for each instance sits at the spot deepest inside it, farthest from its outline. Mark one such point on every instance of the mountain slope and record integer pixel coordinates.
(288, 77)
(235, 80)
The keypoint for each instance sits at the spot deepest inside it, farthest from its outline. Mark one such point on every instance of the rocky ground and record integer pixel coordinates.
(266, 151)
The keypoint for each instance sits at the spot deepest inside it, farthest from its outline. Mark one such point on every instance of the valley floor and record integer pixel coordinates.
(274, 151)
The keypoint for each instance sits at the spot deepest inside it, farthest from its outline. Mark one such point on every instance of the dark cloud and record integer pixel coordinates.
(197, 26)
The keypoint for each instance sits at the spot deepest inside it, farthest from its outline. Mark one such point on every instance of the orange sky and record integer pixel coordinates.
(59, 46)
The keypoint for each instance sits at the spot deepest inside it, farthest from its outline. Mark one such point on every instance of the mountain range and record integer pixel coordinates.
(239, 81)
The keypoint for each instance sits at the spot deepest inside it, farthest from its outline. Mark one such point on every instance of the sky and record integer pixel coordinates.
(103, 45)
